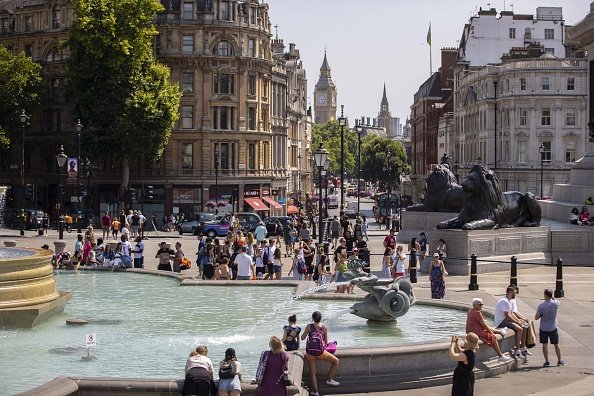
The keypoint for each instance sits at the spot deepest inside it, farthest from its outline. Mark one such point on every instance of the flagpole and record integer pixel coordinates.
(430, 54)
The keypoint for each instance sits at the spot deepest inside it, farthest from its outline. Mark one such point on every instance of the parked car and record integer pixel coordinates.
(195, 224)
(247, 221)
(332, 201)
(350, 213)
(271, 221)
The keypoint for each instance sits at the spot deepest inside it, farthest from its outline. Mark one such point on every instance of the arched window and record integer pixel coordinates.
(54, 55)
(223, 48)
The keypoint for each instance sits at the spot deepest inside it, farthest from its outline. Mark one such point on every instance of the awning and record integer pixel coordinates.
(256, 203)
(272, 203)
(291, 209)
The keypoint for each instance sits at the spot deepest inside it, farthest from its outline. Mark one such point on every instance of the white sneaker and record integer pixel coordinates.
(518, 354)
(504, 358)
(503, 331)
(332, 382)
(526, 352)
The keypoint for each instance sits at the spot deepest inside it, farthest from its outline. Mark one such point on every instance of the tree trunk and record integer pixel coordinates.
(125, 181)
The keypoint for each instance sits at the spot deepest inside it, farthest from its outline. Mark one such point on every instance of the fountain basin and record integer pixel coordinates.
(28, 294)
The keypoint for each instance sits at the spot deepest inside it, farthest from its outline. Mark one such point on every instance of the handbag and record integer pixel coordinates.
(530, 336)
(287, 379)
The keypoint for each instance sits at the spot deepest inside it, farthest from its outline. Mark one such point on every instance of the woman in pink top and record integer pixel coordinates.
(475, 323)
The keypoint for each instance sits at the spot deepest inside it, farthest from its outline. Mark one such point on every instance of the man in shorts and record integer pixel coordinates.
(105, 225)
(505, 318)
(547, 313)
(335, 231)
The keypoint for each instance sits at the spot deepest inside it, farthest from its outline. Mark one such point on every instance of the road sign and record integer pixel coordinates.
(91, 340)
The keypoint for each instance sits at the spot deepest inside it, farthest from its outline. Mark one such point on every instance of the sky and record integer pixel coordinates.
(373, 42)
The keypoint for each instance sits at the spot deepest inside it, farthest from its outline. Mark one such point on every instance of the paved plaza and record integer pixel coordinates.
(576, 315)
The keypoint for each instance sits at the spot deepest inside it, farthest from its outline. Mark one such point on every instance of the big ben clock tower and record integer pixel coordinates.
(325, 95)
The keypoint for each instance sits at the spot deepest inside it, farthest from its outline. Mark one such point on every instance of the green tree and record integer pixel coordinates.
(329, 134)
(120, 92)
(20, 88)
(374, 159)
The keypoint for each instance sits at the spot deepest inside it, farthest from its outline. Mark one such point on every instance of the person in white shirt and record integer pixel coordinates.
(138, 251)
(244, 265)
(523, 321)
(199, 372)
(505, 318)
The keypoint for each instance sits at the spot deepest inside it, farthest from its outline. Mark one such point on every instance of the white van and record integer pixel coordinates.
(332, 201)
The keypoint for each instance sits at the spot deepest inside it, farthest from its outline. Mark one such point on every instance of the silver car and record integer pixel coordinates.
(195, 224)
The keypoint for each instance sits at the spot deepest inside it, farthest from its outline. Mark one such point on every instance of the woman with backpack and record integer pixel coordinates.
(230, 374)
(315, 349)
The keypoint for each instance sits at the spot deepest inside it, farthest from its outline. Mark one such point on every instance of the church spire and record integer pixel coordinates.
(384, 106)
(384, 97)
(325, 66)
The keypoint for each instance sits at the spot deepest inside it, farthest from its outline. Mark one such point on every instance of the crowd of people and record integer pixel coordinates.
(272, 374)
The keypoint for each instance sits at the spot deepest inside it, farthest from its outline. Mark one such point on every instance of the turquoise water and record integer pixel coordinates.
(146, 326)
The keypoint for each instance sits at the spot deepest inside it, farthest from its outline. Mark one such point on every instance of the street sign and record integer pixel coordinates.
(91, 340)
(74, 198)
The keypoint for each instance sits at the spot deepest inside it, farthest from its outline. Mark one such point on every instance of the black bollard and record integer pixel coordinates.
(413, 266)
(559, 292)
(513, 277)
(473, 285)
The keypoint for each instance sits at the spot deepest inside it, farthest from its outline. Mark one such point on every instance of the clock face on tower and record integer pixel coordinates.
(322, 99)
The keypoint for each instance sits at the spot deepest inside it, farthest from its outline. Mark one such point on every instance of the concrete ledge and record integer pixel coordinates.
(59, 386)
(30, 316)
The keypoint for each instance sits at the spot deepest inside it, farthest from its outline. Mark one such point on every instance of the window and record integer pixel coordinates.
(224, 11)
(550, 51)
(251, 162)
(522, 151)
(251, 84)
(252, 118)
(253, 15)
(223, 117)
(549, 34)
(187, 44)
(28, 23)
(56, 18)
(570, 116)
(187, 117)
(55, 91)
(570, 83)
(5, 25)
(545, 118)
(546, 154)
(570, 146)
(522, 84)
(507, 118)
(252, 48)
(188, 11)
(523, 116)
(224, 159)
(512, 33)
(29, 50)
(187, 82)
(187, 156)
(223, 83)
(53, 55)
(223, 49)
(545, 83)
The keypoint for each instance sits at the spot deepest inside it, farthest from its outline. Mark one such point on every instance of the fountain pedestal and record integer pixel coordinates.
(28, 294)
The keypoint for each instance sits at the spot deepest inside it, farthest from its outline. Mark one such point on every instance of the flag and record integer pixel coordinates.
(429, 34)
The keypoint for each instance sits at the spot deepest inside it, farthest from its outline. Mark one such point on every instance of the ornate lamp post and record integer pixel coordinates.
(541, 150)
(61, 159)
(79, 127)
(216, 165)
(321, 156)
(325, 174)
(86, 166)
(342, 123)
(24, 117)
(360, 131)
(389, 200)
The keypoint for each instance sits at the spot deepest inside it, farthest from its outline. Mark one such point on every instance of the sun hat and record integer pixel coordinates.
(471, 340)
(476, 301)
(435, 254)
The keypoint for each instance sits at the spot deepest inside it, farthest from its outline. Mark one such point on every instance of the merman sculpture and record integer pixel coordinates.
(382, 304)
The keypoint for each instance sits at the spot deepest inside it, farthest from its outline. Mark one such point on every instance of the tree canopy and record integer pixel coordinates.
(20, 88)
(374, 159)
(329, 134)
(120, 92)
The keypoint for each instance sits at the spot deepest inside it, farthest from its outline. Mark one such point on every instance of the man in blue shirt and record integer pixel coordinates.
(547, 313)
(260, 232)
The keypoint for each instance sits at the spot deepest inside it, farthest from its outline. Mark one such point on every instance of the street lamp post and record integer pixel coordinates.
(342, 123)
(359, 130)
(541, 150)
(325, 174)
(88, 173)
(495, 86)
(321, 156)
(24, 117)
(216, 165)
(61, 159)
(78, 217)
(389, 200)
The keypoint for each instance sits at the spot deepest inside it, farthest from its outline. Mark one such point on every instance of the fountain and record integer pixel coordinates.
(28, 294)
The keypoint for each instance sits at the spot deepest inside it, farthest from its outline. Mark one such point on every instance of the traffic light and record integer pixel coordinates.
(149, 193)
(132, 194)
(29, 191)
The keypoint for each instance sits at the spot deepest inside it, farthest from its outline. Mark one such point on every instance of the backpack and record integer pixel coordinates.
(315, 345)
(265, 252)
(228, 370)
(301, 267)
(185, 264)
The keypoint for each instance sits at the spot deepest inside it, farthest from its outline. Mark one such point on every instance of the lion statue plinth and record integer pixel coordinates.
(486, 207)
(444, 194)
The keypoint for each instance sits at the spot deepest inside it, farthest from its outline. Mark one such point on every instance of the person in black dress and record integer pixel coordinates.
(463, 383)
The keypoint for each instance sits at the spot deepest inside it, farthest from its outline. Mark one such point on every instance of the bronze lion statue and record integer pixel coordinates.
(444, 194)
(487, 207)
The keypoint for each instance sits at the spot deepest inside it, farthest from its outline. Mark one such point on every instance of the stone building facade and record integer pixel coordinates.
(242, 124)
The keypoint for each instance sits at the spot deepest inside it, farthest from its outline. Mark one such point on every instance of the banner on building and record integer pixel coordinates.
(72, 166)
